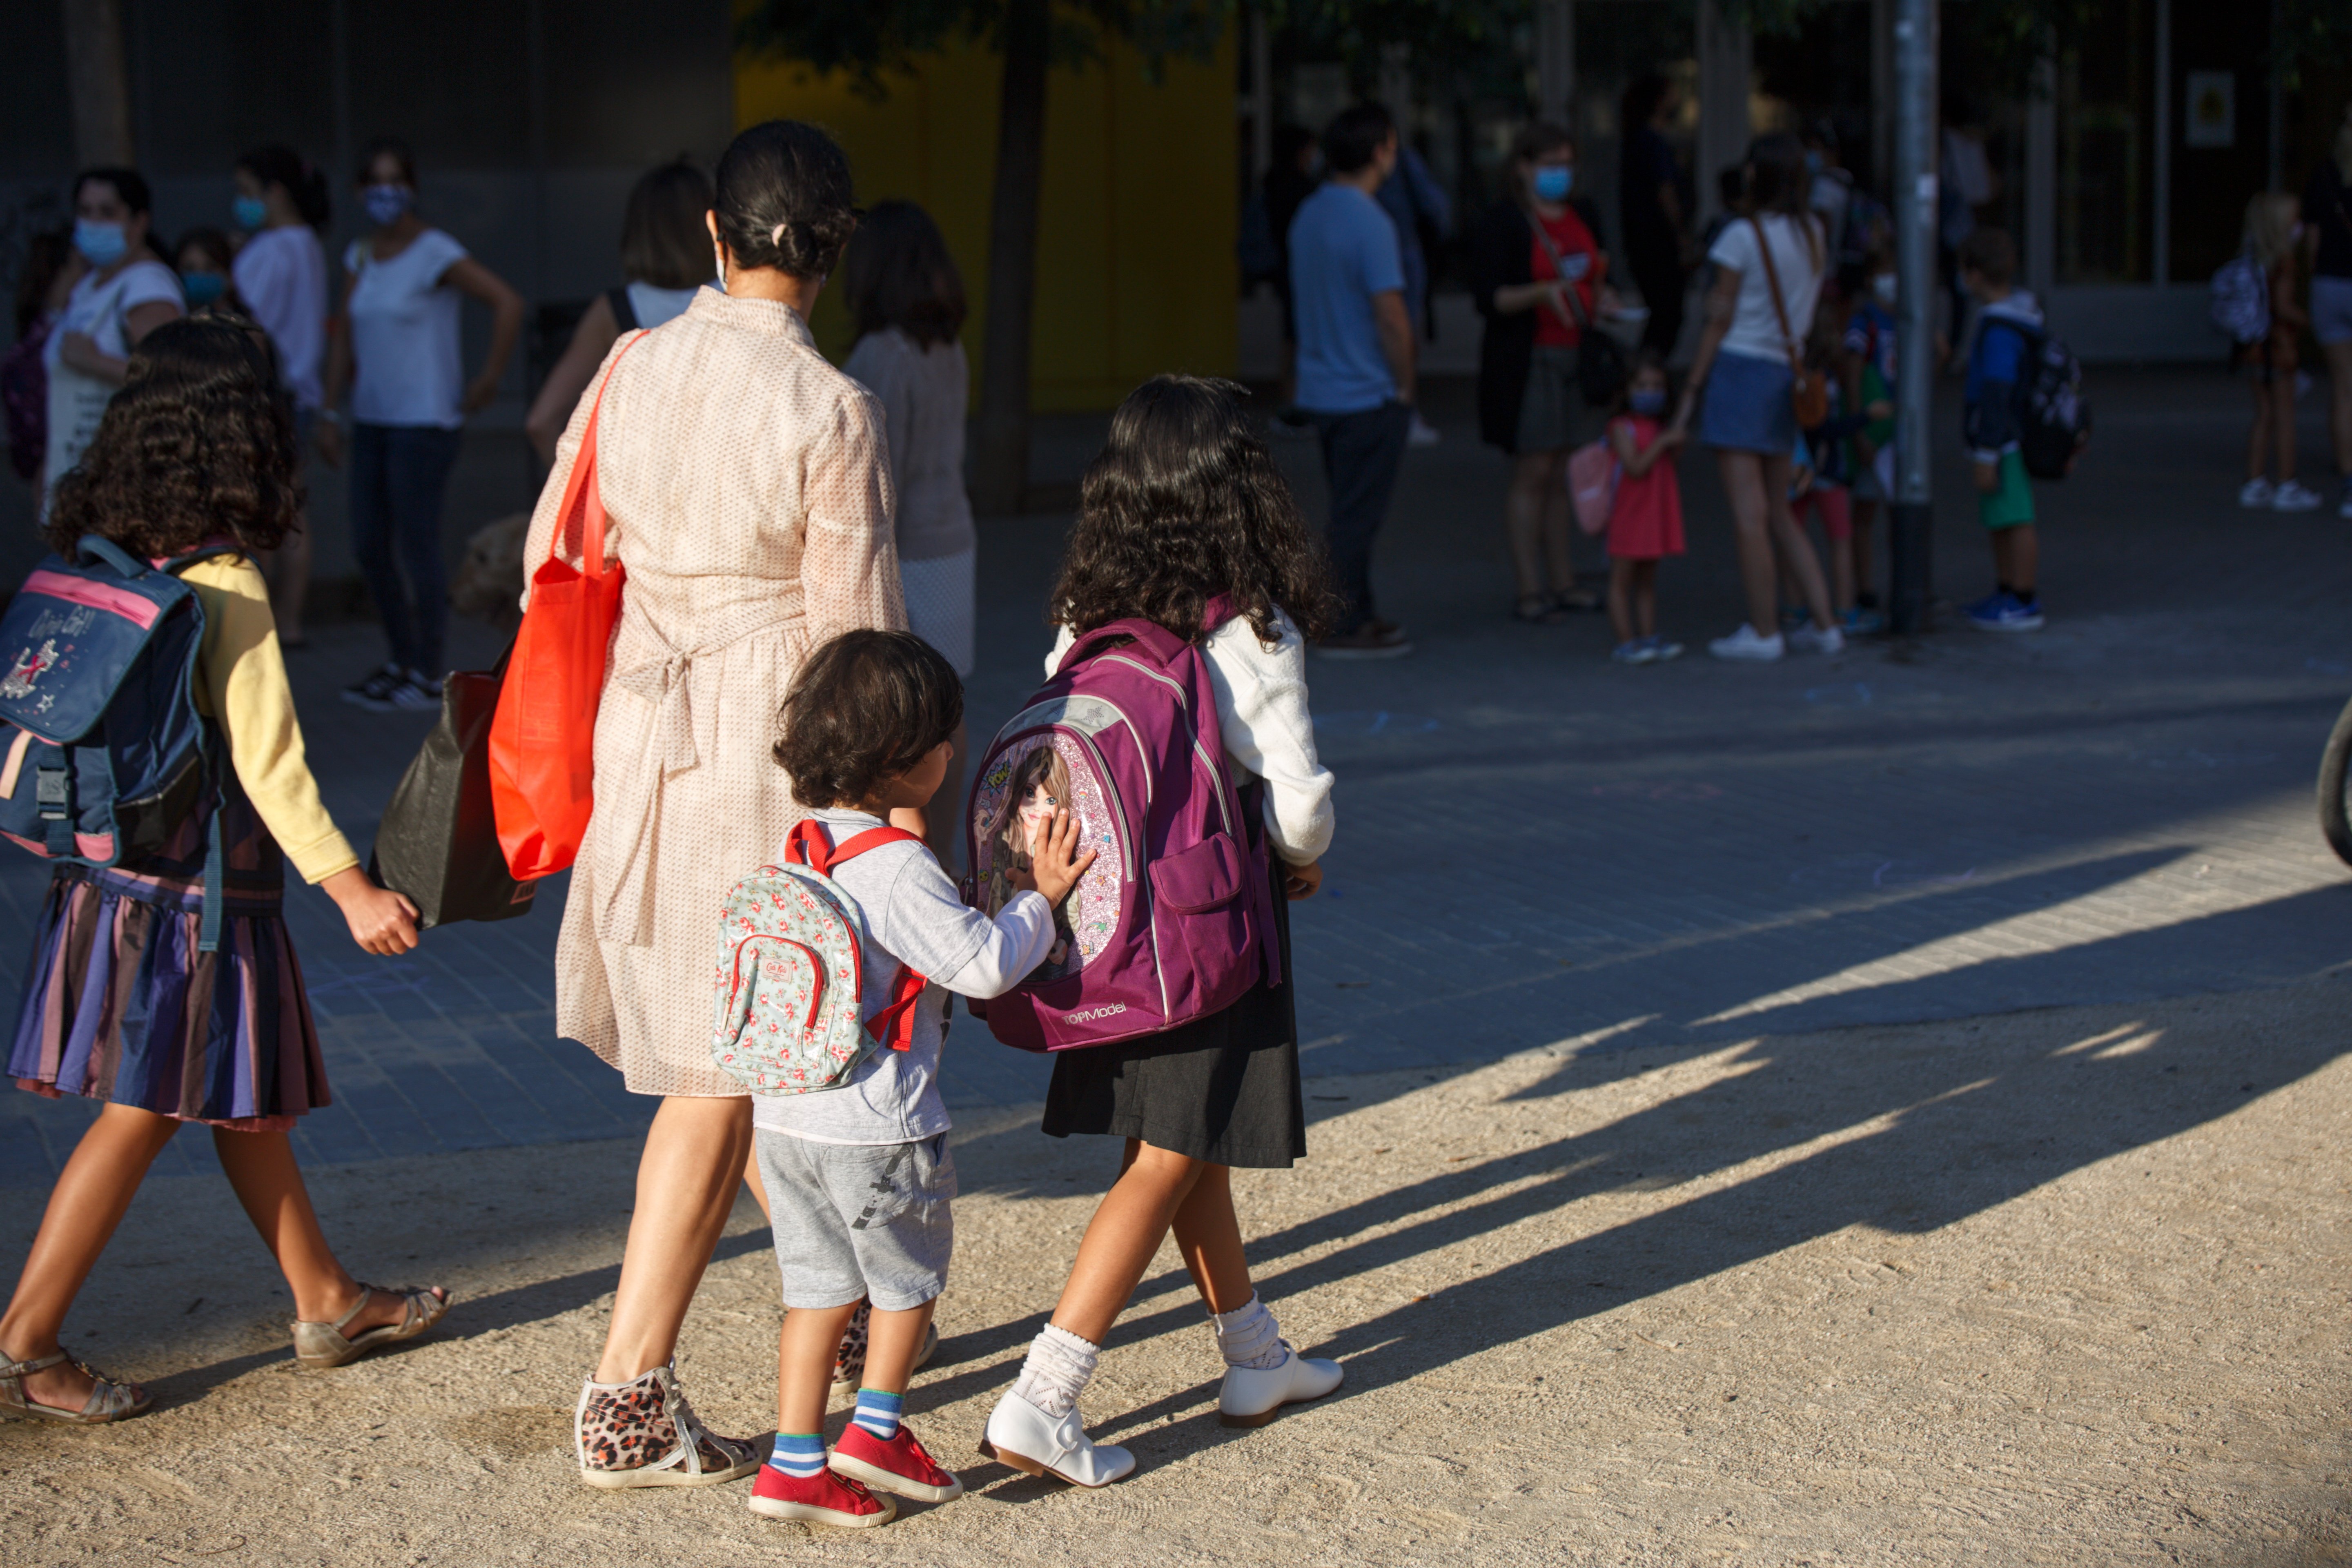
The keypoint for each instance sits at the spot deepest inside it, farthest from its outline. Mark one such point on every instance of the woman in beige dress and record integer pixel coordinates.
(748, 486)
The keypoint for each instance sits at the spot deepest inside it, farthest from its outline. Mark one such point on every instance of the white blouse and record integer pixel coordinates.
(1268, 732)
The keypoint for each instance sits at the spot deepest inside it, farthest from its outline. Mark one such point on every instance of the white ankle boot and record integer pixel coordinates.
(1251, 1397)
(1026, 1438)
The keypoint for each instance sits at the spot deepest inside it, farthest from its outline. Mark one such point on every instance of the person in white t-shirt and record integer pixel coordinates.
(399, 357)
(666, 257)
(127, 293)
(282, 275)
(1746, 364)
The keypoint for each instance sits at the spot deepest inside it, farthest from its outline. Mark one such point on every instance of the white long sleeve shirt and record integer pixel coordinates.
(1263, 718)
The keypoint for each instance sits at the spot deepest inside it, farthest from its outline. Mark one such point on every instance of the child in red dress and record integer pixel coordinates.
(1646, 522)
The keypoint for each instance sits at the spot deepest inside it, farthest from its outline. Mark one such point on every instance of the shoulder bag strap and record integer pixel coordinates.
(580, 489)
(1576, 317)
(1780, 308)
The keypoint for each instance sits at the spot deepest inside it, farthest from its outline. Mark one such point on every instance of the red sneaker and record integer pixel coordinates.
(900, 1465)
(822, 1499)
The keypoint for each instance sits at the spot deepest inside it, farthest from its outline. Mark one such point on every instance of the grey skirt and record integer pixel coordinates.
(1553, 415)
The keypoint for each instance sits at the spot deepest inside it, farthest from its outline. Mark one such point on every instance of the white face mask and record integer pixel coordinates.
(1883, 286)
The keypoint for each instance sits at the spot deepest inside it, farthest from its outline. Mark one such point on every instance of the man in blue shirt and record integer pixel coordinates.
(1355, 359)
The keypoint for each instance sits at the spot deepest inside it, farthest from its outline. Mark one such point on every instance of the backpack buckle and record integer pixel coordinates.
(52, 792)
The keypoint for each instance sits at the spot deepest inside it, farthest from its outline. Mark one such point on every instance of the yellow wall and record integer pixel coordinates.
(1136, 231)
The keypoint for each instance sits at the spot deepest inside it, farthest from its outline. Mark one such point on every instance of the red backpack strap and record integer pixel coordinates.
(808, 844)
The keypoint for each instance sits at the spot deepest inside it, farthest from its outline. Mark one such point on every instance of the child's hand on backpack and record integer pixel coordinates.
(1055, 863)
(1987, 476)
(382, 923)
(1302, 881)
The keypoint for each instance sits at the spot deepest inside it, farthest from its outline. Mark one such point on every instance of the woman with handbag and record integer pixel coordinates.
(1760, 391)
(1537, 274)
(745, 492)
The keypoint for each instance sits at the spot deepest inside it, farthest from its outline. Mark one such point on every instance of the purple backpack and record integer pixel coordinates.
(1174, 919)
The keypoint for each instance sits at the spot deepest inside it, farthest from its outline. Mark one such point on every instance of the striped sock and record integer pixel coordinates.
(800, 1454)
(878, 1411)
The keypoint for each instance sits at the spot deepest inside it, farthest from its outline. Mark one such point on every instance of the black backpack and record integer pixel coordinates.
(2053, 417)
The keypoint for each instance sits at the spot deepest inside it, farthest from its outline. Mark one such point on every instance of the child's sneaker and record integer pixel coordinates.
(2254, 493)
(1862, 623)
(1638, 651)
(374, 693)
(2005, 612)
(1743, 646)
(902, 1465)
(2292, 497)
(1662, 650)
(2344, 507)
(821, 1498)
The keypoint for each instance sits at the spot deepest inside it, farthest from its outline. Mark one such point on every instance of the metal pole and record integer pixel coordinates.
(1911, 513)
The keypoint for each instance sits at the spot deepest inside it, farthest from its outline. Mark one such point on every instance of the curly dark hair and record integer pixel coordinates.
(782, 199)
(865, 707)
(1183, 504)
(196, 446)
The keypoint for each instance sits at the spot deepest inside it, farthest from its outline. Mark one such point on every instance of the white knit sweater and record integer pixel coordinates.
(1263, 718)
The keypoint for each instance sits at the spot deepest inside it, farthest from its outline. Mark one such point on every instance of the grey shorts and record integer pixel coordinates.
(1553, 415)
(860, 1219)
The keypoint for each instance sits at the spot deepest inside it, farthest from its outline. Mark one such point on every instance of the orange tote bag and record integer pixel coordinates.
(544, 735)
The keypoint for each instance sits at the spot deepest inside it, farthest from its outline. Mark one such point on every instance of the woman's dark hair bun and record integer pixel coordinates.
(783, 199)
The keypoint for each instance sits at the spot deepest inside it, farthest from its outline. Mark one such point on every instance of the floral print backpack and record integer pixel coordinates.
(784, 1012)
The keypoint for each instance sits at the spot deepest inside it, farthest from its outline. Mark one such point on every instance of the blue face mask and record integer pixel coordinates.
(388, 204)
(100, 244)
(203, 288)
(248, 212)
(1552, 184)
(1650, 402)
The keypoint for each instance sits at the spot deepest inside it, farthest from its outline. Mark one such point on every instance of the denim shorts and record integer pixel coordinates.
(1747, 407)
(2331, 309)
(853, 1220)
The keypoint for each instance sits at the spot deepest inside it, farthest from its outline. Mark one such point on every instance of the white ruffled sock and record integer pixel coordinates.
(1056, 1372)
(1248, 1336)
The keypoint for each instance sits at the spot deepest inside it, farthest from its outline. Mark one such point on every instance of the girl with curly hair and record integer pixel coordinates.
(120, 1005)
(1184, 520)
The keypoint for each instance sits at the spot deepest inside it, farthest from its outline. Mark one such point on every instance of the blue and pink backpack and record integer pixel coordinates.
(785, 1011)
(1174, 919)
(105, 752)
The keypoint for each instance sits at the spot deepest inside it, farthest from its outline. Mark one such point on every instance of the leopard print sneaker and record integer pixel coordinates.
(643, 1433)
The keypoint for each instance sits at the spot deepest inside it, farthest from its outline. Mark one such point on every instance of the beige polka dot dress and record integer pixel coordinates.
(748, 486)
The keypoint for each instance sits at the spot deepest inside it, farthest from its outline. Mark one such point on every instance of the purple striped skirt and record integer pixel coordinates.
(121, 1006)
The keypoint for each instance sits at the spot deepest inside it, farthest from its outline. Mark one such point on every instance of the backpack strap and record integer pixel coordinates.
(1162, 644)
(808, 844)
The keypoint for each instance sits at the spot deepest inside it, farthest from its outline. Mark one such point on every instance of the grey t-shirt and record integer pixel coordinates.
(905, 909)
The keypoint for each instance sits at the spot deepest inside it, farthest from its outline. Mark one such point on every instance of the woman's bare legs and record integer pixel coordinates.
(288, 570)
(696, 1153)
(1155, 1189)
(1526, 522)
(1758, 484)
(2339, 402)
(2282, 396)
(1559, 530)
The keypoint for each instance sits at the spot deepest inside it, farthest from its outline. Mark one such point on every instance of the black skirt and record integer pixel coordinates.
(1222, 1089)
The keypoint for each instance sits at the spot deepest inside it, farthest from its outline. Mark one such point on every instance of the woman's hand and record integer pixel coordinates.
(329, 438)
(382, 923)
(480, 392)
(1055, 863)
(1301, 881)
(79, 352)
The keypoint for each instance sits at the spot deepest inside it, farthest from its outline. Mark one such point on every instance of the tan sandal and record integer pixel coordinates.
(108, 1401)
(324, 1344)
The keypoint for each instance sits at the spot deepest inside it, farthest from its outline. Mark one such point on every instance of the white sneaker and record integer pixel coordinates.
(1744, 644)
(2254, 493)
(1251, 1397)
(2344, 509)
(1421, 432)
(2292, 497)
(1026, 1438)
(1806, 639)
